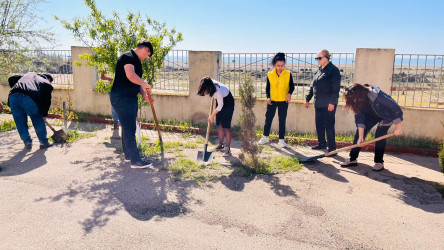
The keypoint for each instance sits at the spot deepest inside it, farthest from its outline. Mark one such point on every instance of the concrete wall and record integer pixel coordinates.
(374, 66)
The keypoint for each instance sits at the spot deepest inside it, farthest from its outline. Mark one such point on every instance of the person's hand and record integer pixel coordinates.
(360, 140)
(307, 104)
(288, 99)
(269, 101)
(210, 119)
(148, 99)
(147, 88)
(397, 131)
(331, 107)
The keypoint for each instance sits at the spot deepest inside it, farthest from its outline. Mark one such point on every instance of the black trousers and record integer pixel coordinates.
(325, 124)
(269, 115)
(379, 145)
(126, 109)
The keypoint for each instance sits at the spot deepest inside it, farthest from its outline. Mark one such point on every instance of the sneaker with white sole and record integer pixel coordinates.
(141, 164)
(282, 143)
(378, 166)
(227, 153)
(219, 147)
(349, 163)
(263, 140)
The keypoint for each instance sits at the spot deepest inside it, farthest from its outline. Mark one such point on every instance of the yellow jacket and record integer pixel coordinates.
(279, 85)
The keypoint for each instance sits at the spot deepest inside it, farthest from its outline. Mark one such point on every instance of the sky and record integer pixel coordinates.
(240, 26)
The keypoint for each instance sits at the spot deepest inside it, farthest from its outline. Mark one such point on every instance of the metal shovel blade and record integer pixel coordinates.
(59, 136)
(204, 156)
(311, 159)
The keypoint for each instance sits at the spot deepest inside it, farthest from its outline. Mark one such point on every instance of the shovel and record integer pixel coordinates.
(205, 156)
(59, 136)
(314, 158)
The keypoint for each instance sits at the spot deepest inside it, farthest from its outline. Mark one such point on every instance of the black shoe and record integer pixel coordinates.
(219, 147)
(43, 146)
(319, 147)
(28, 146)
(141, 164)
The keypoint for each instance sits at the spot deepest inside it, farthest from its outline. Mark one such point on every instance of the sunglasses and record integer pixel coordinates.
(319, 58)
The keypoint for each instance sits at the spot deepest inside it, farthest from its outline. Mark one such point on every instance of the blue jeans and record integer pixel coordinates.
(114, 114)
(126, 109)
(325, 124)
(23, 106)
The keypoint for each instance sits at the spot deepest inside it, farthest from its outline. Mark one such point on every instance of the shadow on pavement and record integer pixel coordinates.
(21, 164)
(414, 191)
(143, 193)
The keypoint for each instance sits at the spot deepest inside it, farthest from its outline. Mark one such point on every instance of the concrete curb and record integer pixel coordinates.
(389, 148)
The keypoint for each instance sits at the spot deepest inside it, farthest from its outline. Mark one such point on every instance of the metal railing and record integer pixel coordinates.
(237, 66)
(174, 75)
(418, 80)
(58, 63)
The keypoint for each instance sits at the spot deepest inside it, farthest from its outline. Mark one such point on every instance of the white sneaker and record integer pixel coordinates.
(282, 143)
(141, 164)
(263, 140)
(349, 163)
(378, 166)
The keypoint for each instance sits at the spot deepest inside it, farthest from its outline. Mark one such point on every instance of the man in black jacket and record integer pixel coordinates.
(30, 95)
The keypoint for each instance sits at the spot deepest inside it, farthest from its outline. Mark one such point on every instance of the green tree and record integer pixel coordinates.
(247, 120)
(109, 36)
(20, 32)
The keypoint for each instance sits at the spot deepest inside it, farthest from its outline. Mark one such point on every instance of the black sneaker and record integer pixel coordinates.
(43, 146)
(28, 146)
(141, 164)
(319, 147)
(219, 147)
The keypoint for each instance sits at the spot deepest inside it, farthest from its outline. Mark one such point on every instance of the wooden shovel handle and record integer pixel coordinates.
(53, 130)
(155, 117)
(360, 145)
(209, 123)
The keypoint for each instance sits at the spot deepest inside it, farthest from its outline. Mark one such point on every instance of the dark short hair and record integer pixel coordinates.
(278, 57)
(147, 44)
(206, 84)
(48, 77)
(13, 80)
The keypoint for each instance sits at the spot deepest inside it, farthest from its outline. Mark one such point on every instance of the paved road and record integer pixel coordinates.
(85, 196)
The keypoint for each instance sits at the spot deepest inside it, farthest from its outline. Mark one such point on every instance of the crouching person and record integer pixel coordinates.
(30, 95)
(223, 113)
(371, 107)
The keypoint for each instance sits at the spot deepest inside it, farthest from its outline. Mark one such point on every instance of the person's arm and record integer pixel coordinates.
(360, 124)
(398, 129)
(134, 78)
(309, 96)
(105, 78)
(220, 101)
(45, 99)
(267, 91)
(335, 85)
(290, 91)
(361, 136)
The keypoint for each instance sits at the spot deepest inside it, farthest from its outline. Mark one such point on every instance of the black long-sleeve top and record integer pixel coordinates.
(325, 86)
